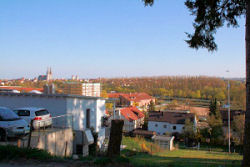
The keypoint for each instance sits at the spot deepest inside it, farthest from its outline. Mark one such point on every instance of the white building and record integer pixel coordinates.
(91, 89)
(169, 122)
(84, 89)
(78, 112)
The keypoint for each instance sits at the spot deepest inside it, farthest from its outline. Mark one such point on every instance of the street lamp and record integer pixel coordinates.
(228, 103)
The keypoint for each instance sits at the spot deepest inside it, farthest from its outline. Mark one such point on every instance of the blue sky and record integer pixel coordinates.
(114, 38)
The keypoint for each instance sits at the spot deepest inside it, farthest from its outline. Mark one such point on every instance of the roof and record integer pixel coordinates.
(143, 132)
(136, 97)
(131, 113)
(50, 95)
(170, 117)
(114, 95)
(162, 138)
(21, 88)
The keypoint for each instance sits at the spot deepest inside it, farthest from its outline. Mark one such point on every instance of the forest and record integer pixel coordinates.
(185, 87)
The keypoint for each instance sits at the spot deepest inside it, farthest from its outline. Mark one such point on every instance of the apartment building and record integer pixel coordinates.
(82, 89)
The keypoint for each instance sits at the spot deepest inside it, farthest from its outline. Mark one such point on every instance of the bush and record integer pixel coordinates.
(122, 159)
(102, 161)
(13, 152)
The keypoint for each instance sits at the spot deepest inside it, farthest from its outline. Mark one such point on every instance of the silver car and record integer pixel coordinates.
(40, 116)
(11, 125)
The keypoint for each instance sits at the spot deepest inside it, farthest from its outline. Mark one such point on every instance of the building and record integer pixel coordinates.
(164, 142)
(233, 114)
(80, 113)
(129, 99)
(169, 122)
(47, 77)
(83, 89)
(133, 118)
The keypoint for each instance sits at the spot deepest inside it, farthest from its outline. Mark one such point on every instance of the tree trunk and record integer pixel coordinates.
(246, 151)
(115, 138)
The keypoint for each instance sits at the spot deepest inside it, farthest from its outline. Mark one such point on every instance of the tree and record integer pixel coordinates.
(151, 106)
(214, 108)
(189, 133)
(238, 127)
(210, 15)
(216, 131)
(215, 121)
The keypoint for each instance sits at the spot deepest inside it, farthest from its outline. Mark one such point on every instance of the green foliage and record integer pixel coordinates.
(93, 148)
(190, 133)
(151, 106)
(211, 15)
(10, 152)
(216, 131)
(213, 107)
(215, 122)
(102, 161)
(238, 126)
(183, 87)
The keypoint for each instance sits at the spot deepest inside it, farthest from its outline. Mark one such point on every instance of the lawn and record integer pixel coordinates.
(177, 158)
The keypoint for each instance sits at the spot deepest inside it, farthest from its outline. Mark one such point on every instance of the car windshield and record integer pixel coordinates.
(8, 115)
(41, 112)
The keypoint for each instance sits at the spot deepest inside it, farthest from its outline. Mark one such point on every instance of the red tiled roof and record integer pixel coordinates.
(137, 112)
(114, 95)
(136, 97)
(21, 88)
(131, 113)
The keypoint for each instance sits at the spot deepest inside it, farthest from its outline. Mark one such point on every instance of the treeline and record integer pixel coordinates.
(187, 87)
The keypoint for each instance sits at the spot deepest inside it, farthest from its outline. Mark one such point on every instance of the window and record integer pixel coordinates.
(8, 115)
(23, 112)
(41, 112)
(174, 127)
(164, 126)
(88, 118)
(156, 125)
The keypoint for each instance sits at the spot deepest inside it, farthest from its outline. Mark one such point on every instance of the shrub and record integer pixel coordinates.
(102, 161)
(12, 152)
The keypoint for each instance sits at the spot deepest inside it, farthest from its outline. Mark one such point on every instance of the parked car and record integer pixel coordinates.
(40, 116)
(11, 125)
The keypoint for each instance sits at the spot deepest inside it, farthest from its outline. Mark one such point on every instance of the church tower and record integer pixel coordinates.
(49, 74)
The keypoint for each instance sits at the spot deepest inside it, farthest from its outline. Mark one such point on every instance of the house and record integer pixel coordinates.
(132, 99)
(233, 114)
(80, 113)
(169, 122)
(133, 118)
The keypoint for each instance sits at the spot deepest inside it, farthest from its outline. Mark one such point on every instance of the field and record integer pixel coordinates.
(178, 157)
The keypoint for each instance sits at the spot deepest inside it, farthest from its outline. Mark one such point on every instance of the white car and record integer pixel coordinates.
(11, 125)
(40, 116)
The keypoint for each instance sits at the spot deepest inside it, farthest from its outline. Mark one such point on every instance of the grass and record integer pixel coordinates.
(10, 152)
(180, 157)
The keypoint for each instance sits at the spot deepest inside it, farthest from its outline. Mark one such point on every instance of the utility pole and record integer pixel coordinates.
(228, 102)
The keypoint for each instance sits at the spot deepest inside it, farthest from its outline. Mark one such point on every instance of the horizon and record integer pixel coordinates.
(111, 39)
(128, 77)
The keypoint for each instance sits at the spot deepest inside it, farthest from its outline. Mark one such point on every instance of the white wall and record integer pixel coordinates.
(55, 105)
(160, 129)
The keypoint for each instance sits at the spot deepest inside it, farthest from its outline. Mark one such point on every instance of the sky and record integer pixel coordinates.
(111, 38)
